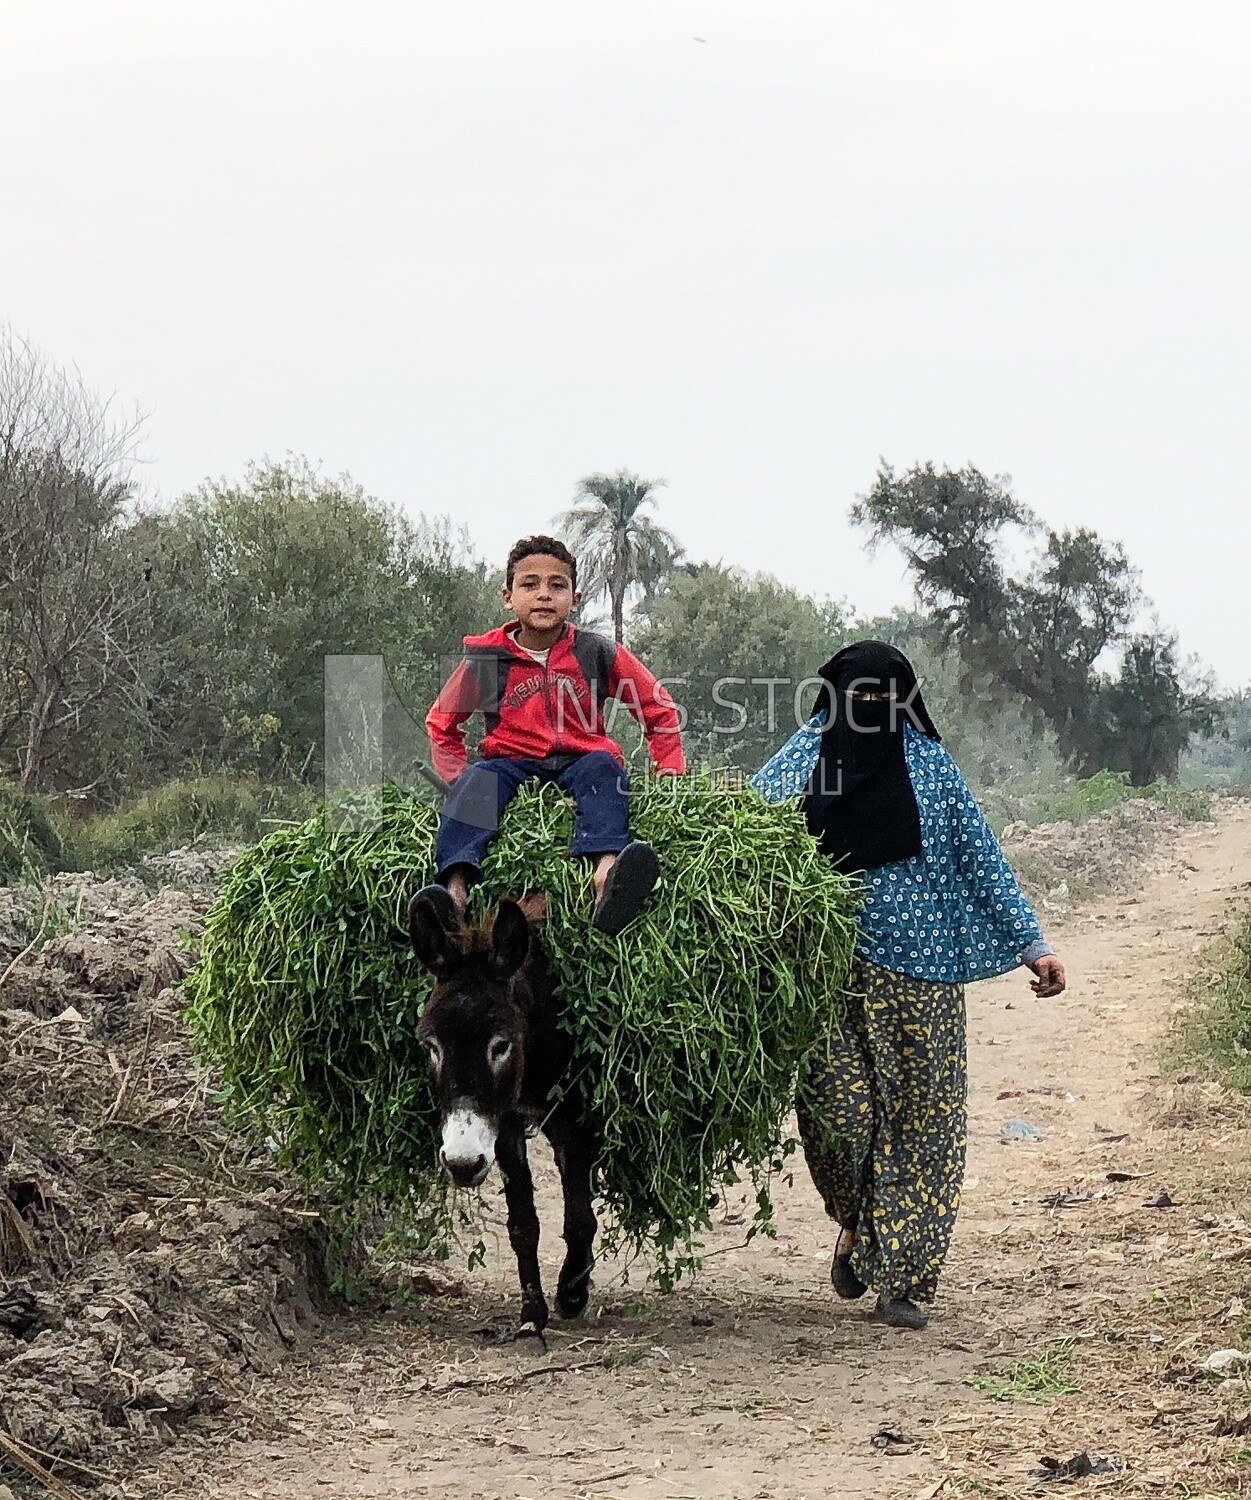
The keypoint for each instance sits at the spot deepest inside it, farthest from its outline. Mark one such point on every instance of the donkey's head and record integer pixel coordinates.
(474, 1028)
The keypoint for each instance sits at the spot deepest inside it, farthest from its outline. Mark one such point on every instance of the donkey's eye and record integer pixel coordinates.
(498, 1051)
(436, 1054)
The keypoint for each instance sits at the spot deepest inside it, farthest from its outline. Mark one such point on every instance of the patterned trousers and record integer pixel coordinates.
(883, 1125)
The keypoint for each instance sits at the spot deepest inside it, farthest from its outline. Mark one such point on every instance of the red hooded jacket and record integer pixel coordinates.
(533, 711)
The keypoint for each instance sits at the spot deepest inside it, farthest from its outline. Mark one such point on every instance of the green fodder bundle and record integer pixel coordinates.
(690, 1027)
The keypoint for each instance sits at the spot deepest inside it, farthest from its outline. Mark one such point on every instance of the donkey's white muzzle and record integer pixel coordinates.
(468, 1147)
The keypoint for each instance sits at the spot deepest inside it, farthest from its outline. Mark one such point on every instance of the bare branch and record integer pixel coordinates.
(69, 618)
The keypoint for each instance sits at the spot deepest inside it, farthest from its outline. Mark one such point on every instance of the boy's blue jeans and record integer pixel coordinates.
(473, 808)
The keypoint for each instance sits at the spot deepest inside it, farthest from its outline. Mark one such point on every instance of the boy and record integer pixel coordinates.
(539, 683)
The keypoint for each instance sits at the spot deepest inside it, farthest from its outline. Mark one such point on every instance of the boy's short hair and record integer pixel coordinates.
(535, 546)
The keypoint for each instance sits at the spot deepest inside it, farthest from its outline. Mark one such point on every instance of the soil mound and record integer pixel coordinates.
(149, 1256)
(1062, 864)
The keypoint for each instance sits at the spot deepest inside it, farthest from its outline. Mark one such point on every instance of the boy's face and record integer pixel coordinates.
(542, 595)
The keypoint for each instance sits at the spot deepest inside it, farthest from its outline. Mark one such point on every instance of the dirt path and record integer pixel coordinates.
(756, 1383)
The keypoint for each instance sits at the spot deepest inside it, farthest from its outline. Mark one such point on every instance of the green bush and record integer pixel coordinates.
(1194, 803)
(30, 845)
(219, 808)
(1089, 797)
(1220, 1031)
(1028, 799)
(690, 1028)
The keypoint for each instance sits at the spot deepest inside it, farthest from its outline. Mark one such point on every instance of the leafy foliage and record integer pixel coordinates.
(992, 734)
(30, 844)
(736, 650)
(619, 549)
(1221, 754)
(140, 647)
(260, 581)
(1220, 1028)
(221, 807)
(690, 1028)
(1152, 714)
(1089, 796)
(1040, 635)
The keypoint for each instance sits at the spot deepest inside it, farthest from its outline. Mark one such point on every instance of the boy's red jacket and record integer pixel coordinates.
(532, 711)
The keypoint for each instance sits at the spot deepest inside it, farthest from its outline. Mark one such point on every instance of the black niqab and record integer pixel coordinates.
(860, 804)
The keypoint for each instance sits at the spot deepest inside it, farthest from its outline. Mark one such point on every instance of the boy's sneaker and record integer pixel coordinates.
(439, 899)
(630, 882)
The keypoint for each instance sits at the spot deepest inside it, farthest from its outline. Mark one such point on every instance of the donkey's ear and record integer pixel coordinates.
(436, 945)
(510, 939)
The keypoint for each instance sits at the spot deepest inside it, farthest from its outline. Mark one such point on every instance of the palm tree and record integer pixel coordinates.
(617, 548)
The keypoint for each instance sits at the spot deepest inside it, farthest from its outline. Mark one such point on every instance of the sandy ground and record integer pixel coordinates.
(755, 1382)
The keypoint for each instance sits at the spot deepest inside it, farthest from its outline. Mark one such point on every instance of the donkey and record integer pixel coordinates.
(497, 1056)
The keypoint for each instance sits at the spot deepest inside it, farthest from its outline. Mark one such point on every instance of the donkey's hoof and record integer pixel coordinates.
(573, 1293)
(572, 1302)
(534, 1317)
(531, 1330)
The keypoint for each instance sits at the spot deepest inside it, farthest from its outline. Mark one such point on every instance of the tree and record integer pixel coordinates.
(993, 735)
(618, 548)
(949, 524)
(1039, 635)
(737, 649)
(1223, 753)
(1153, 711)
(260, 580)
(73, 608)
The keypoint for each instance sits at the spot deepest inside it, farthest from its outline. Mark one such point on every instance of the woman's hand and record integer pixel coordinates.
(1050, 979)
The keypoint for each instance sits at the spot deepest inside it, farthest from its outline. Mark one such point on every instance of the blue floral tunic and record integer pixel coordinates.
(951, 914)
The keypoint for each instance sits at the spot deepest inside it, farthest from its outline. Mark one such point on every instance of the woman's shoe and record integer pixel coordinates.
(898, 1312)
(846, 1283)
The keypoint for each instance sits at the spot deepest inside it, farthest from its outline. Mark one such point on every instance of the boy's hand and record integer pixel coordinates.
(1050, 979)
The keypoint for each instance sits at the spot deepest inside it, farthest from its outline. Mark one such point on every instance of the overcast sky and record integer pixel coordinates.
(471, 251)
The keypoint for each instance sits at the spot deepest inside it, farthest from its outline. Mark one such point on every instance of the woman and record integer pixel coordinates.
(882, 1114)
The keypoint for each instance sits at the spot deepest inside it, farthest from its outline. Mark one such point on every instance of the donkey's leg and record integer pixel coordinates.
(575, 1151)
(523, 1222)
